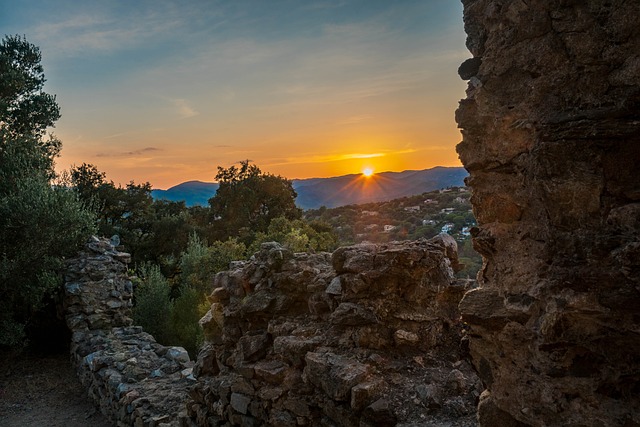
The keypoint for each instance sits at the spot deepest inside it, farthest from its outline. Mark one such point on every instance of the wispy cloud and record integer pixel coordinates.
(184, 109)
(97, 30)
(134, 153)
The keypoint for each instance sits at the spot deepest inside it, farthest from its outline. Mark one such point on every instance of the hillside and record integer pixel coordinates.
(191, 192)
(407, 218)
(338, 191)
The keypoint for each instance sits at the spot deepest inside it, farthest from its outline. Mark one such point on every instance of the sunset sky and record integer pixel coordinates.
(165, 91)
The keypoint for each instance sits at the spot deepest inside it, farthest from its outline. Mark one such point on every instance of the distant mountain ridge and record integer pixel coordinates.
(337, 191)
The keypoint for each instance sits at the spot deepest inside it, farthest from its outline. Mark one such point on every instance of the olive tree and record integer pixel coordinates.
(40, 223)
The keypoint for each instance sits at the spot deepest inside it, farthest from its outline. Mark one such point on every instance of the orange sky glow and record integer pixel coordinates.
(167, 91)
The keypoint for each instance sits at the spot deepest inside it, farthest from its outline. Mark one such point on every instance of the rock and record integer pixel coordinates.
(178, 354)
(469, 68)
(240, 402)
(402, 337)
(134, 380)
(490, 415)
(550, 139)
(270, 393)
(335, 287)
(380, 413)
(271, 371)
(253, 347)
(308, 351)
(293, 348)
(219, 295)
(349, 314)
(366, 392)
(335, 374)
(430, 394)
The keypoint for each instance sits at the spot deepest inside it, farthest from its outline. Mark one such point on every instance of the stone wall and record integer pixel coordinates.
(551, 138)
(369, 335)
(134, 380)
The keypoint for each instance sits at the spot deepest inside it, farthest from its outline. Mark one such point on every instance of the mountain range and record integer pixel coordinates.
(339, 190)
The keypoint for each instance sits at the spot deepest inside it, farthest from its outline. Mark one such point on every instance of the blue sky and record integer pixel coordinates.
(165, 91)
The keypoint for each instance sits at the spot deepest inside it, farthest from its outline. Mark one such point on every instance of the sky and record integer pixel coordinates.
(165, 91)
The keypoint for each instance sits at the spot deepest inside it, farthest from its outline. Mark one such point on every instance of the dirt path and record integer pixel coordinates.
(44, 391)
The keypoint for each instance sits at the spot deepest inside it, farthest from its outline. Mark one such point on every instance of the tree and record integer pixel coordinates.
(24, 108)
(87, 181)
(247, 200)
(40, 223)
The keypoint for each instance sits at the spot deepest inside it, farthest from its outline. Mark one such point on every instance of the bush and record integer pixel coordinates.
(153, 306)
(175, 321)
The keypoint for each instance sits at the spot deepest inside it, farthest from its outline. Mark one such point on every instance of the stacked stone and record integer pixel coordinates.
(551, 139)
(367, 336)
(134, 380)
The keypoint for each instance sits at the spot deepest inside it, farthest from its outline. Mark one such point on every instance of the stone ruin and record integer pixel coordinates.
(551, 138)
(367, 336)
(134, 380)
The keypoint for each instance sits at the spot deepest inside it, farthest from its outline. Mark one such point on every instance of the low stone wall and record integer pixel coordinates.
(134, 380)
(369, 335)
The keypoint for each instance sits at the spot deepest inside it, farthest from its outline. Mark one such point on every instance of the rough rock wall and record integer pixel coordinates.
(551, 138)
(368, 335)
(134, 380)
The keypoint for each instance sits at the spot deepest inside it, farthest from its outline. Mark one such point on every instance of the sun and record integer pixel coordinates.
(367, 172)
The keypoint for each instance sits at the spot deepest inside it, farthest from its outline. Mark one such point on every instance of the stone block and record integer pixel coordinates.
(366, 392)
(252, 347)
(336, 375)
(271, 371)
(240, 402)
(178, 354)
(349, 314)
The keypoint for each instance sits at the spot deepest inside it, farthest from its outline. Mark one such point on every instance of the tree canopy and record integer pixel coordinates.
(40, 223)
(25, 109)
(248, 199)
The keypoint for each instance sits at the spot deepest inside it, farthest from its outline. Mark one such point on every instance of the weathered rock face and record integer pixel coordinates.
(133, 379)
(368, 335)
(551, 138)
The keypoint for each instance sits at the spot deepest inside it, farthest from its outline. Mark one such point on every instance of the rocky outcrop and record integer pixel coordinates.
(369, 335)
(134, 380)
(551, 138)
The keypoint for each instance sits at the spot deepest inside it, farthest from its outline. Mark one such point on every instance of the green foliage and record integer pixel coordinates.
(87, 181)
(152, 231)
(186, 311)
(171, 313)
(198, 264)
(248, 200)
(297, 235)
(40, 223)
(153, 307)
(470, 259)
(24, 108)
(195, 270)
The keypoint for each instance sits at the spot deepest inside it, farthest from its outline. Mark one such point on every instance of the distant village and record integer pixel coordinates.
(444, 211)
(408, 218)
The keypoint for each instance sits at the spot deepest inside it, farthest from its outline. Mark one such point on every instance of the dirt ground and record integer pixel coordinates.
(44, 391)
